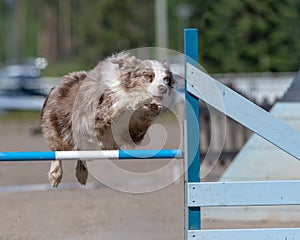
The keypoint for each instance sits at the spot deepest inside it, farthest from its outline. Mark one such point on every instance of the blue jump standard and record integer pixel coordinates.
(91, 155)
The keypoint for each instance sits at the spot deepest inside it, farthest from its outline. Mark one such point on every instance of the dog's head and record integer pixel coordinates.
(150, 76)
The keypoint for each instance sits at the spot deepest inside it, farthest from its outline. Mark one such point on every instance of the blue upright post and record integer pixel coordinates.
(192, 130)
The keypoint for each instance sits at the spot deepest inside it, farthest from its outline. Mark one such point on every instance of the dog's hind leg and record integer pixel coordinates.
(55, 173)
(81, 172)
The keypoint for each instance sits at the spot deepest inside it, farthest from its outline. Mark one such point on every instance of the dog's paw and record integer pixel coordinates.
(139, 100)
(154, 109)
(81, 173)
(55, 173)
(148, 112)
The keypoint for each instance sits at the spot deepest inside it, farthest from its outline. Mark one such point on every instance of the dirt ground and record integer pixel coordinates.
(30, 209)
(94, 212)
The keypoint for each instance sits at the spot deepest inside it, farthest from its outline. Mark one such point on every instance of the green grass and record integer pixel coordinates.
(61, 68)
(19, 116)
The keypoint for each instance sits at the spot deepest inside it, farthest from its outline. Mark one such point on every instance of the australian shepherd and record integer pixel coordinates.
(108, 108)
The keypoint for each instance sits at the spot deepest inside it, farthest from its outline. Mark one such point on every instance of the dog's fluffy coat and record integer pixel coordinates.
(110, 107)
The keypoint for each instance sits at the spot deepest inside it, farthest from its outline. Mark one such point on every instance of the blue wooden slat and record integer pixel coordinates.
(246, 234)
(192, 131)
(243, 111)
(254, 193)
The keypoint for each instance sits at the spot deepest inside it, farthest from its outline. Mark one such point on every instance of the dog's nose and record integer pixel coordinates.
(162, 89)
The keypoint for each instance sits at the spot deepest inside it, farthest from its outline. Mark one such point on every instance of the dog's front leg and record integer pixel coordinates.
(141, 120)
(137, 100)
(132, 102)
(147, 112)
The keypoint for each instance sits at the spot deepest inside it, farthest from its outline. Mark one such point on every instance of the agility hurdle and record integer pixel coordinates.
(222, 194)
(197, 194)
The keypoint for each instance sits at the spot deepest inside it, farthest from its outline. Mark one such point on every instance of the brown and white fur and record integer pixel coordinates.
(110, 107)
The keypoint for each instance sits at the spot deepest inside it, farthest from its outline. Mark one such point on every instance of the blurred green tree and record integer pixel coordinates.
(3, 30)
(248, 35)
(75, 33)
(101, 28)
(235, 36)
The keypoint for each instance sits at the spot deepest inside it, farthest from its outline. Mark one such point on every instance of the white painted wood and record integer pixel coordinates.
(246, 234)
(86, 155)
(243, 111)
(260, 193)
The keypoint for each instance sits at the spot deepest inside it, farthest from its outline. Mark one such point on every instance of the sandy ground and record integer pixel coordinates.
(81, 213)
(99, 212)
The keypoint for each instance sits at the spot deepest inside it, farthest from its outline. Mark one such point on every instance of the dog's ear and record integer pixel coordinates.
(128, 62)
(126, 67)
(120, 62)
(166, 64)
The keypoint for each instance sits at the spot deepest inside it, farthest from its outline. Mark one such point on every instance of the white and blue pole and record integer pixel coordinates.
(90, 155)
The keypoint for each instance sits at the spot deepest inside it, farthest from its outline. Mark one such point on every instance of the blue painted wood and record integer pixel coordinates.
(193, 130)
(253, 193)
(246, 234)
(146, 154)
(243, 111)
(27, 156)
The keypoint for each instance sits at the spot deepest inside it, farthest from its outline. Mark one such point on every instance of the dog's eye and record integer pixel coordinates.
(167, 80)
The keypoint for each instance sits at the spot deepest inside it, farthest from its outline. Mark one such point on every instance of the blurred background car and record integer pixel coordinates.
(20, 86)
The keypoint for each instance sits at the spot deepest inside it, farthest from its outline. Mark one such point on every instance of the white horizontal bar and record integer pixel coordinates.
(88, 155)
(243, 111)
(246, 234)
(262, 193)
